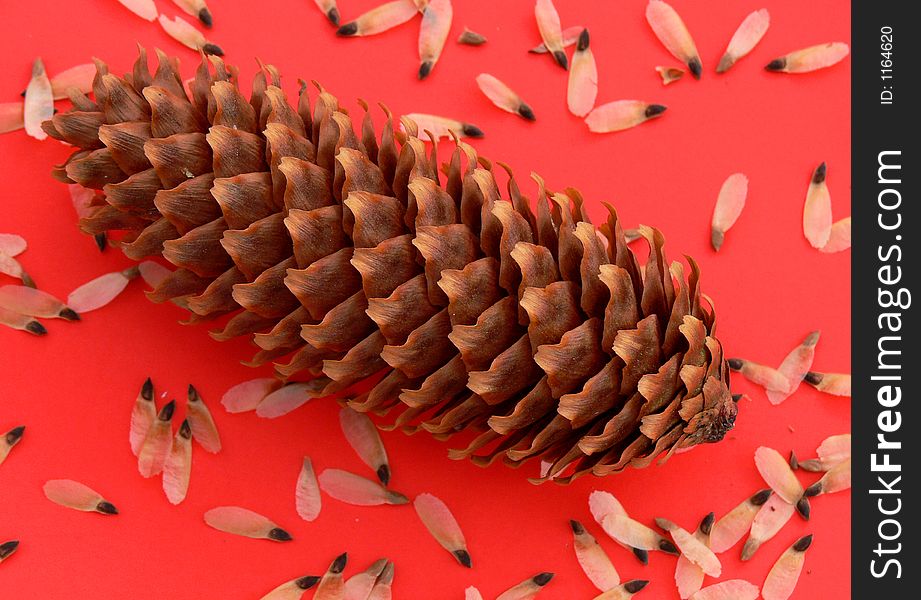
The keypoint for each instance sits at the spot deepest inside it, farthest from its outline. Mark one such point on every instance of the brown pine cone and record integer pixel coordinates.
(351, 258)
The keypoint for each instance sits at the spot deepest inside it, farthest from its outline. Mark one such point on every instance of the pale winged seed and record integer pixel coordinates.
(75, 495)
(771, 517)
(783, 576)
(746, 37)
(100, 291)
(38, 106)
(307, 494)
(582, 90)
(286, 399)
(379, 19)
(246, 396)
(244, 522)
(810, 59)
(548, 23)
(433, 33)
(593, 559)
(443, 126)
(202, 423)
(364, 438)
(673, 33)
(621, 114)
(354, 489)
(143, 414)
(177, 467)
(817, 215)
(438, 519)
(729, 205)
(360, 586)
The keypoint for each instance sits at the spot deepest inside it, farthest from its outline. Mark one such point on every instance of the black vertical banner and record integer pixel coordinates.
(886, 263)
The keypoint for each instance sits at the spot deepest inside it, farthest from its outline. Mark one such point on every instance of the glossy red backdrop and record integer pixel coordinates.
(73, 389)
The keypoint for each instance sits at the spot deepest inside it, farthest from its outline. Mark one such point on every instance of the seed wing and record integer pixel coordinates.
(438, 519)
(307, 495)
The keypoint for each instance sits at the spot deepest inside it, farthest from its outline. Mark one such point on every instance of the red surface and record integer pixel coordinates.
(74, 388)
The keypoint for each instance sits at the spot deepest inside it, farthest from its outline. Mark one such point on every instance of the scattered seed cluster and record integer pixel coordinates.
(761, 517)
(780, 383)
(21, 306)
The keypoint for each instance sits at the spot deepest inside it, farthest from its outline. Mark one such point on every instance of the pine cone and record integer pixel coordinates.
(351, 258)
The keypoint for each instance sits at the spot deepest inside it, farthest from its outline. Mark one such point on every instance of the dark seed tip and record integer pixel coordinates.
(107, 508)
(761, 497)
(339, 563)
(333, 16)
(654, 110)
(813, 490)
(542, 579)
(348, 29)
(69, 314)
(814, 378)
(737, 397)
(147, 390)
(185, 430)
(642, 555)
(214, 49)
(473, 131)
(803, 543)
(102, 242)
(802, 507)
(635, 585)
(577, 527)
(425, 69)
(777, 64)
(166, 413)
(383, 473)
(7, 548)
(695, 67)
(716, 239)
(725, 63)
(307, 582)
(14, 435)
(668, 547)
(36, 328)
(735, 364)
(463, 557)
(204, 15)
(560, 57)
(582, 44)
(280, 535)
(193, 394)
(707, 523)
(525, 111)
(820, 173)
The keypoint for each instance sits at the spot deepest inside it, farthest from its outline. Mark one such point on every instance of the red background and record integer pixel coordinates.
(74, 388)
